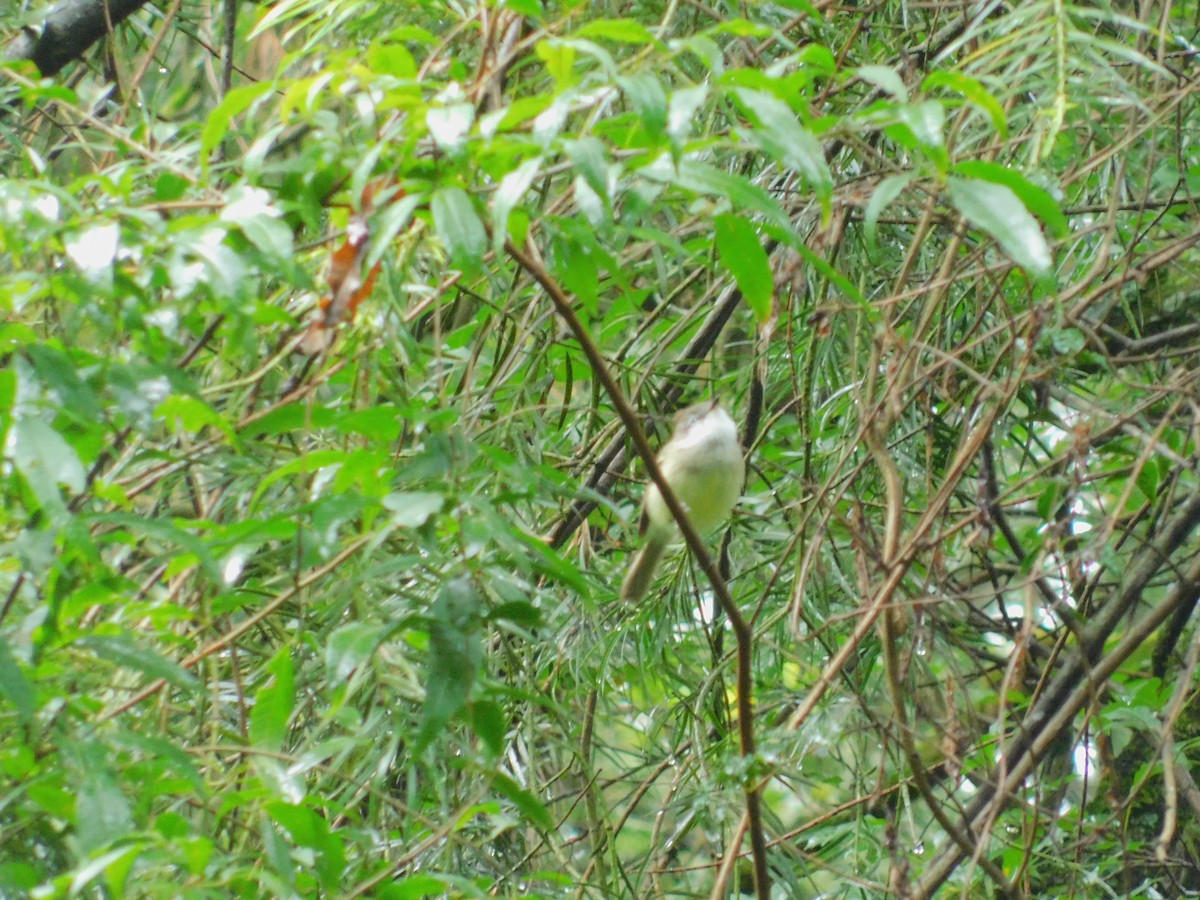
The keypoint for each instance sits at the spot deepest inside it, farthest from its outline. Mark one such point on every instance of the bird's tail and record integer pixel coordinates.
(641, 571)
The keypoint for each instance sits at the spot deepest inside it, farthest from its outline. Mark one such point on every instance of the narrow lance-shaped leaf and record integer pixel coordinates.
(974, 92)
(997, 211)
(887, 191)
(351, 646)
(14, 687)
(529, 805)
(454, 654)
(1037, 200)
(512, 188)
(648, 98)
(623, 31)
(122, 651)
(780, 133)
(232, 104)
(459, 227)
(273, 704)
(743, 256)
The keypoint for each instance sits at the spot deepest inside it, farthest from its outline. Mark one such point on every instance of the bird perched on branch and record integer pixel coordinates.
(702, 463)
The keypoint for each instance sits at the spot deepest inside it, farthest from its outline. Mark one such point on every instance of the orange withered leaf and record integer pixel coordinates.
(347, 286)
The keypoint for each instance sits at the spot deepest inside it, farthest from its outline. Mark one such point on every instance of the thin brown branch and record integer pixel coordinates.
(742, 633)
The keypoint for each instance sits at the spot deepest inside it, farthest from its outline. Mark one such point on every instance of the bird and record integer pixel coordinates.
(703, 464)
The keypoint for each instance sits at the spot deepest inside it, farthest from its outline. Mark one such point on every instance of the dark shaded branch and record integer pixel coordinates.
(227, 45)
(67, 32)
(1081, 677)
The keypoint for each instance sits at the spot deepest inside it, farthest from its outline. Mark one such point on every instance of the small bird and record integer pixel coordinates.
(702, 462)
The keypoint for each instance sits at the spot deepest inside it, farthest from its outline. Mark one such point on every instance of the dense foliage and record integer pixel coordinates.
(315, 505)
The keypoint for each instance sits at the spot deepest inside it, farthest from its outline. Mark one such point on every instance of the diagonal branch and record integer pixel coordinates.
(67, 32)
(741, 629)
(1072, 687)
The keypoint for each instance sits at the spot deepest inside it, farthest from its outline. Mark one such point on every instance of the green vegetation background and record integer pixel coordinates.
(345, 624)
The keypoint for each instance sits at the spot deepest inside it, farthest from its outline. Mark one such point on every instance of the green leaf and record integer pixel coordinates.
(559, 59)
(409, 32)
(705, 49)
(46, 91)
(169, 186)
(1067, 341)
(387, 224)
(682, 110)
(780, 134)
(574, 263)
(454, 653)
(273, 703)
(547, 561)
(704, 179)
(885, 192)
(251, 210)
(605, 60)
(459, 227)
(351, 646)
(305, 828)
(974, 91)
(184, 413)
(168, 532)
(8, 396)
(114, 865)
(927, 121)
(14, 687)
(490, 723)
(804, 6)
(382, 422)
(1037, 200)
(102, 811)
(310, 462)
(649, 99)
(740, 28)
(999, 213)
(414, 509)
(1048, 501)
(366, 471)
(530, 806)
(522, 109)
(18, 878)
(174, 757)
(224, 270)
(743, 256)
(519, 612)
(789, 237)
(1148, 481)
(512, 189)
(623, 31)
(235, 102)
(886, 78)
(271, 236)
(60, 372)
(420, 887)
(45, 459)
(291, 417)
(391, 59)
(120, 650)
(275, 851)
(593, 206)
(588, 157)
